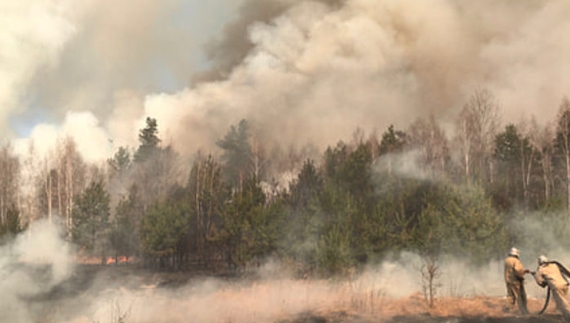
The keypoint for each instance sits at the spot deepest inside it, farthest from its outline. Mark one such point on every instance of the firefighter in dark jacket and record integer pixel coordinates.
(514, 278)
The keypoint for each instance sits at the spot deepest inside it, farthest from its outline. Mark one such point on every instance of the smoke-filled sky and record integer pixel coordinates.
(300, 71)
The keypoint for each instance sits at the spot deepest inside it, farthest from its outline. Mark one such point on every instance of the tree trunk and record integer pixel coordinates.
(546, 177)
(60, 209)
(568, 178)
(48, 190)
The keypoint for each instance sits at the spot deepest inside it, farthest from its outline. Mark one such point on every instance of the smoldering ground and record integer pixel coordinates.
(42, 283)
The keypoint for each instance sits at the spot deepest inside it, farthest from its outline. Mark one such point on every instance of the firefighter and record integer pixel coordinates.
(551, 274)
(514, 279)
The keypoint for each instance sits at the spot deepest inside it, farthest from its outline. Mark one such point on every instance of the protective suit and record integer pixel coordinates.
(550, 274)
(514, 279)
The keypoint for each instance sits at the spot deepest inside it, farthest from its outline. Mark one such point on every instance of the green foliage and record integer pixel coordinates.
(237, 153)
(344, 213)
(334, 254)
(400, 203)
(339, 214)
(433, 218)
(250, 229)
(123, 235)
(356, 172)
(307, 186)
(334, 160)
(461, 221)
(563, 125)
(374, 233)
(91, 217)
(148, 138)
(553, 205)
(163, 228)
(350, 170)
(304, 218)
(509, 144)
(515, 157)
(121, 161)
(392, 141)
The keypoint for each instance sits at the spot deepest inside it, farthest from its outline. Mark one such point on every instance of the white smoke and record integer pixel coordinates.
(30, 266)
(323, 67)
(32, 36)
(326, 67)
(330, 69)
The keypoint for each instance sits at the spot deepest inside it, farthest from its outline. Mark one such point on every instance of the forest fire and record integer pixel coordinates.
(275, 161)
(116, 260)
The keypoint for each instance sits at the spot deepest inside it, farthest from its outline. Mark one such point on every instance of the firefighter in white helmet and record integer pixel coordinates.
(552, 274)
(514, 279)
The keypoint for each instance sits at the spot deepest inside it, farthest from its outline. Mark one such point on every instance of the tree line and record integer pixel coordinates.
(357, 202)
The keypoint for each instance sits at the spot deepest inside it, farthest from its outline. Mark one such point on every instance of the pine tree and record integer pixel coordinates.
(249, 229)
(121, 161)
(164, 227)
(149, 141)
(237, 155)
(123, 235)
(91, 219)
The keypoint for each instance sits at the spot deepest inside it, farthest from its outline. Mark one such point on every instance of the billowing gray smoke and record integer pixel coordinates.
(323, 67)
(234, 45)
(30, 267)
(330, 67)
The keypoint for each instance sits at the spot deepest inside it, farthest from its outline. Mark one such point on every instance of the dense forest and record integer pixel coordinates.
(360, 200)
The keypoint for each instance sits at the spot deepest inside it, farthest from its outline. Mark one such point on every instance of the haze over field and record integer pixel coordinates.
(96, 69)
(41, 283)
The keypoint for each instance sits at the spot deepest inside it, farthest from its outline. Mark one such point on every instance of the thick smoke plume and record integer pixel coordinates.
(326, 67)
(30, 267)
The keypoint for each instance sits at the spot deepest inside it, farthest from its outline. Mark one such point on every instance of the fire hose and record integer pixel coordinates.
(565, 273)
(545, 301)
(547, 295)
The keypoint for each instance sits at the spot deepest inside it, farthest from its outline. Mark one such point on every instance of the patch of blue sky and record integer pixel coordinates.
(23, 123)
(202, 20)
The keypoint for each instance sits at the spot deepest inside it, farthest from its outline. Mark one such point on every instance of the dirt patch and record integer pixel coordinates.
(414, 309)
(344, 317)
(174, 297)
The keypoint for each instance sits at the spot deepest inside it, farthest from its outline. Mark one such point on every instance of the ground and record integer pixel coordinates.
(450, 310)
(176, 297)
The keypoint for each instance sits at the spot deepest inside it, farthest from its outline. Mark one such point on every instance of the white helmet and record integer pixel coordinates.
(542, 259)
(514, 252)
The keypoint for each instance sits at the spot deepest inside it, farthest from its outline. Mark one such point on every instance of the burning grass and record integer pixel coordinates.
(282, 301)
(106, 294)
